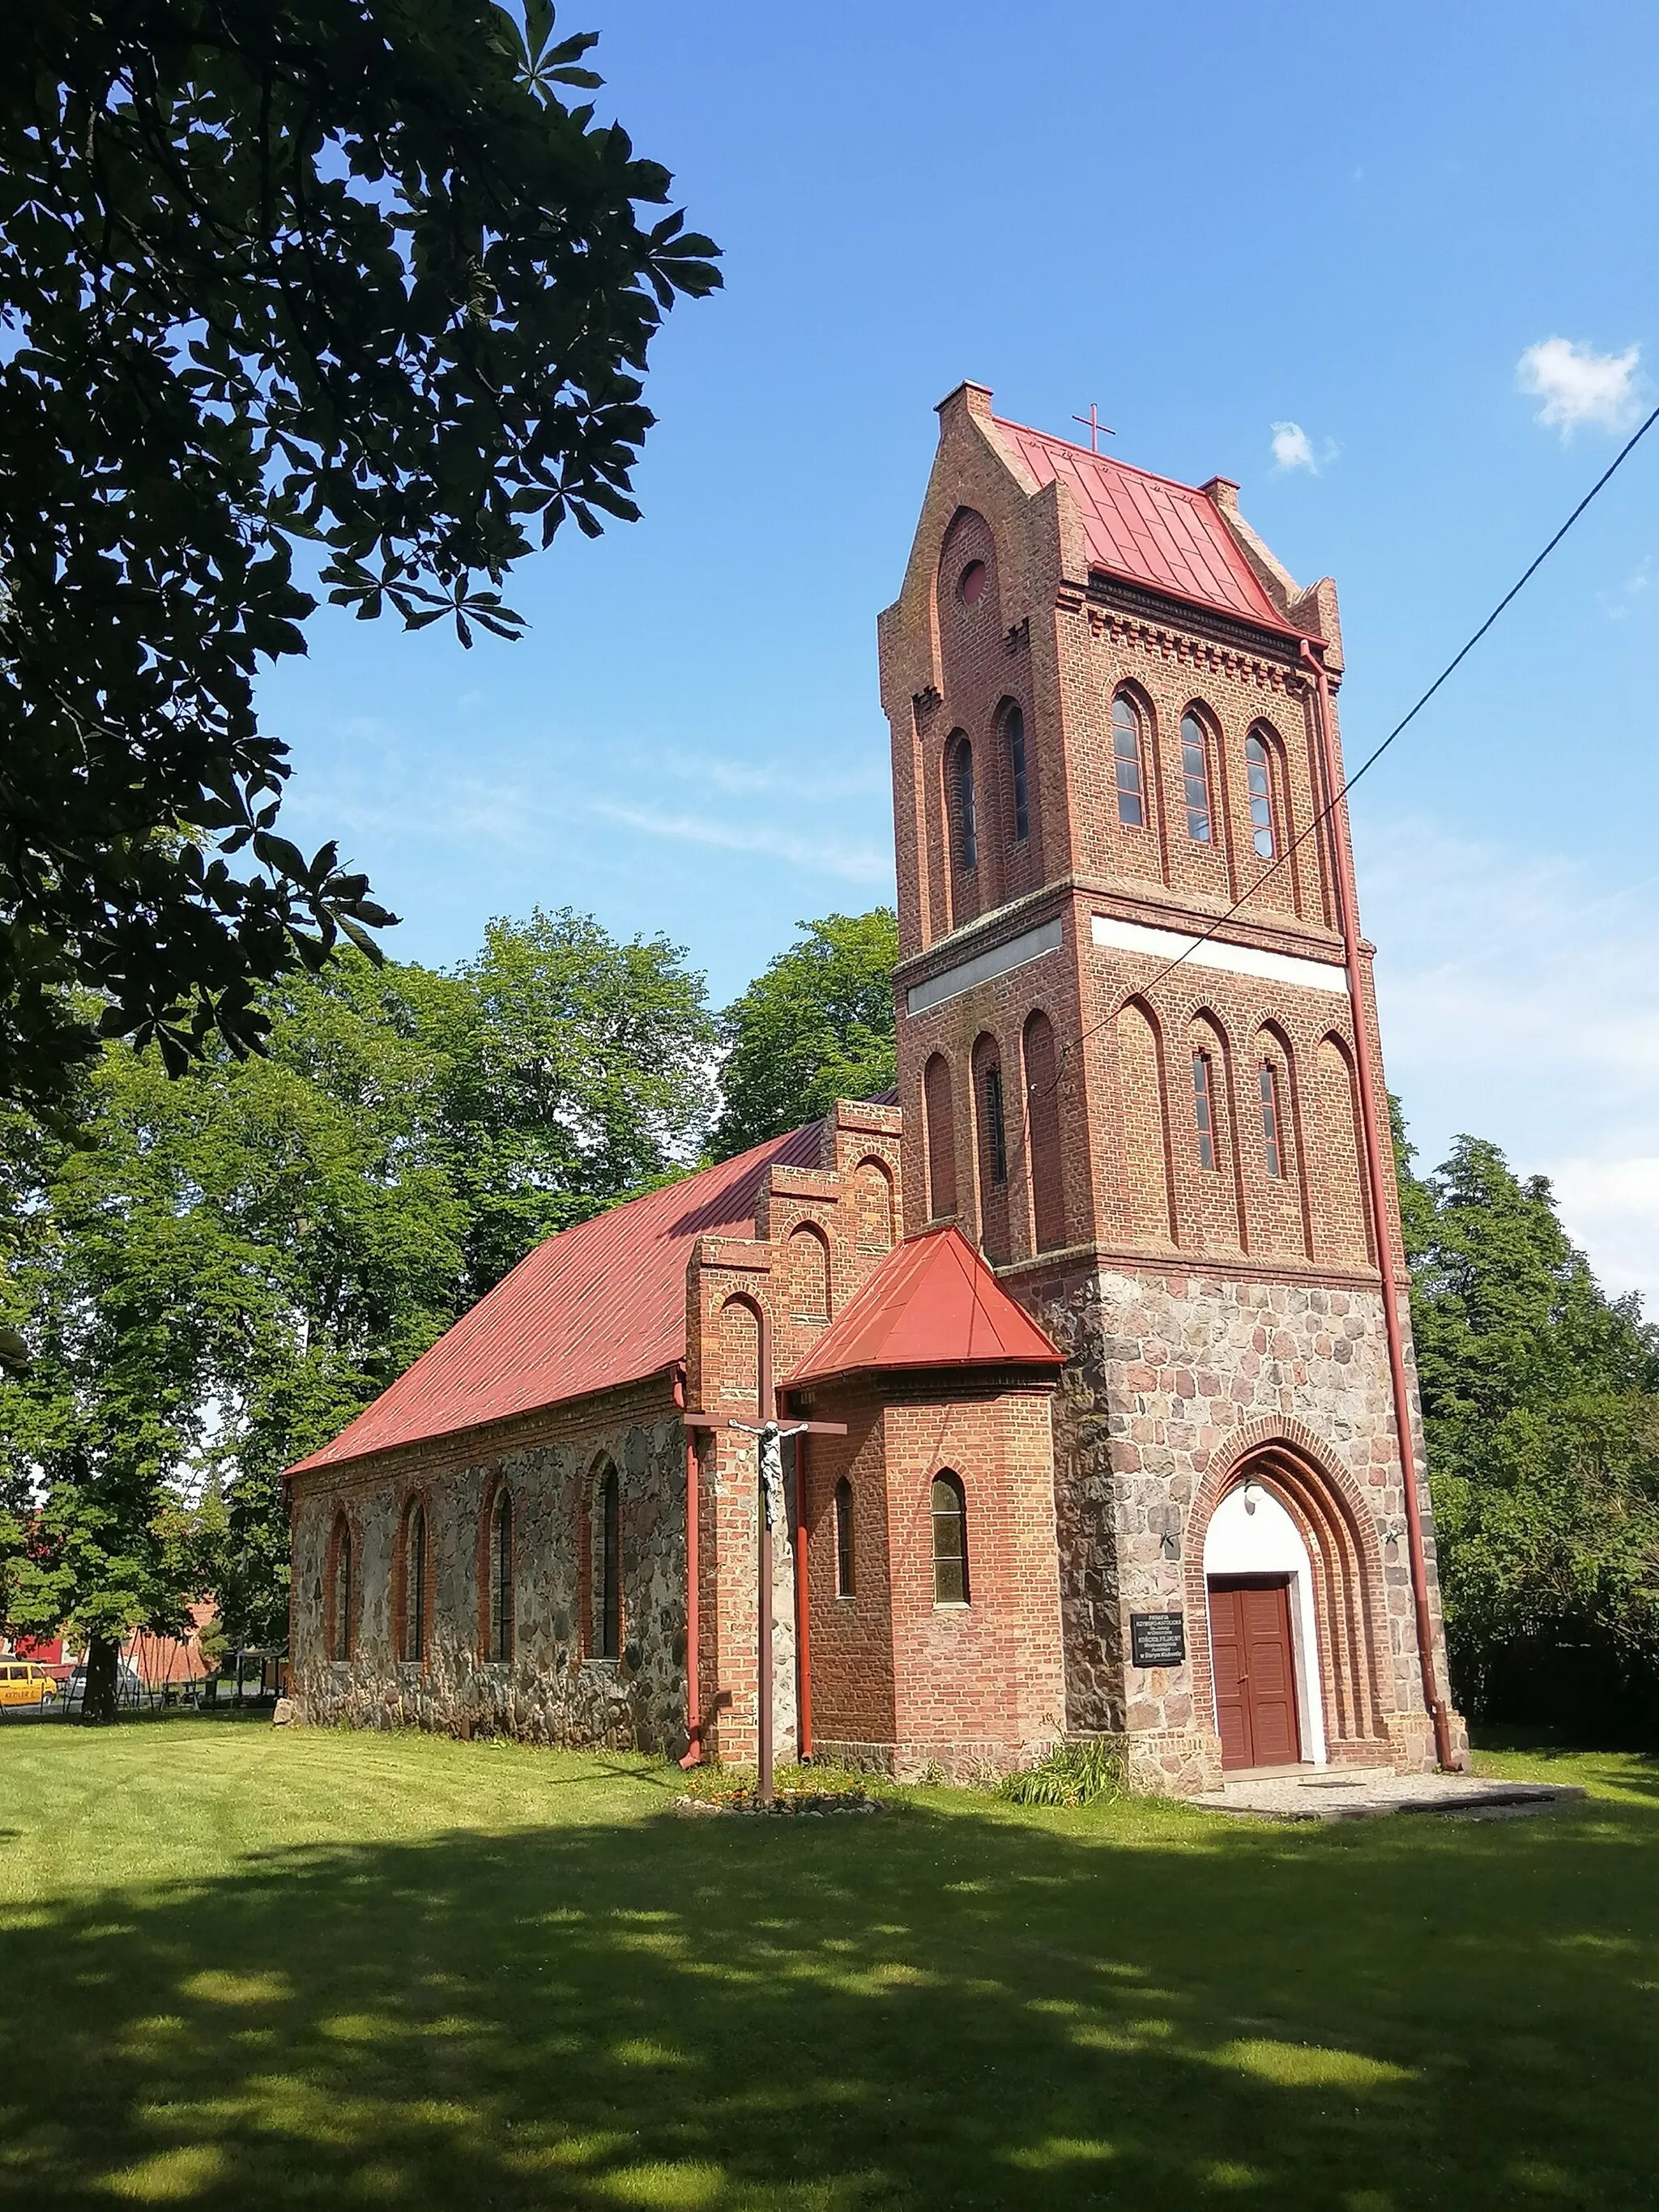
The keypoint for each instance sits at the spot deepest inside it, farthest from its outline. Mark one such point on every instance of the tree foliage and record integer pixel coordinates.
(244, 1255)
(342, 278)
(817, 1026)
(1541, 1401)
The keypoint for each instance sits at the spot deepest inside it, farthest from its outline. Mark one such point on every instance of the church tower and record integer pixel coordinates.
(1139, 1069)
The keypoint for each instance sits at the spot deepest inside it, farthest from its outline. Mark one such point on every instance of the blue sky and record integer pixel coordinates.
(1317, 249)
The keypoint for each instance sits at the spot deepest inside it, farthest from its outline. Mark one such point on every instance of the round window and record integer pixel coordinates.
(973, 582)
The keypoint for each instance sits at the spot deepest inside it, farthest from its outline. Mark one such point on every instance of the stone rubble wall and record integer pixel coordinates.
(551, 1692)
(1172, 1374)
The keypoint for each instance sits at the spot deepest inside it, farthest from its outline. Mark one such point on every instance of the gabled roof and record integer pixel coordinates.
(598, 1305)
(1149, 529)
(931, 1302)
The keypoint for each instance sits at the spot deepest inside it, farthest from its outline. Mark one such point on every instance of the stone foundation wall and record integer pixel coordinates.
(553, 1691)
(1175, 1376)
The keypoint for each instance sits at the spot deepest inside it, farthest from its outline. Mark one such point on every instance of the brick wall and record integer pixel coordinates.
(1200, 1299)
(898, 1679)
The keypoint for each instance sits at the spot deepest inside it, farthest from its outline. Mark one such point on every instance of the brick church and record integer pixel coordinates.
(1100, 1322)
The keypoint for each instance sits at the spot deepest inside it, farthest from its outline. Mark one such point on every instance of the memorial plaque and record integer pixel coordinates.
(1158, 1639)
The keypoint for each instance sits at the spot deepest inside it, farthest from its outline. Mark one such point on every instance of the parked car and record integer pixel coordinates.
(25, 1682)
(129, 1690)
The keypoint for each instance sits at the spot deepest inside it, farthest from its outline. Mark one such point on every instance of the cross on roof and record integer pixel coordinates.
(1092, 423)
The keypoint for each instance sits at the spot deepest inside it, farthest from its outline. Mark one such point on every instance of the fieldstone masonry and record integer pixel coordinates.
(553, 1691)
(1171, 1382)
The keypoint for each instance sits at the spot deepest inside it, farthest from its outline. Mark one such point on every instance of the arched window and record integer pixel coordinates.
(1195, 779)
(414, 1584)
(950, 1518)
(1204, 1107)
(1128, 764)
(1270, 1137)
(967, 816)
(991, 1120)
(610, 1620)
(1042, 1122)
(1259, 771)
(843, 1538)
(1013, 730)
(995, 1124)
(341, 1593)
(502, 1612)
(939, 1114)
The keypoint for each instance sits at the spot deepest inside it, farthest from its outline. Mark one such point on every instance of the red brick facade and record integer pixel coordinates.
(1194, 1124)
(1151, 1133)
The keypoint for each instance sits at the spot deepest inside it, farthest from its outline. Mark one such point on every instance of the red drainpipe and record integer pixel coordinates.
(803, 1611)
(1347, 900)
(692, 1708)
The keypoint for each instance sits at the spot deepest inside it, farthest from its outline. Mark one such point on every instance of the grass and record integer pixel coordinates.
(245, 1967)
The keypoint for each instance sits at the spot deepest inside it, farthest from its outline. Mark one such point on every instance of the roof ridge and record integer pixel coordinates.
(1111, 460)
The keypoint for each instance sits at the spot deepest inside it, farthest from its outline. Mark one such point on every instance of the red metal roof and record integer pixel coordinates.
(595, 1306)
(1149, 529)
(931, 1302)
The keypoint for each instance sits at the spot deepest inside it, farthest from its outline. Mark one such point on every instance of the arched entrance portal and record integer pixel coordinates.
(1264, 1632)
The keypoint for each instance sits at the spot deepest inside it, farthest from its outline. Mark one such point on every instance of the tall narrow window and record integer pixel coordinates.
(501, 1622)
(415, 1586)
(949, 1517)
(1195, 776)
(1043, 1153)
(1127, 765)
(1014, 726)
(610, 1567)
(996, 1126)
(940, 1116)
(967, 818)
(1204, 1107)
(843, 1538)
(1258, 767)
(1270, 1119)
(340, 1627)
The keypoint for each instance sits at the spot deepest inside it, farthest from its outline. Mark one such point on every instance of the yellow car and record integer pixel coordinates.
(25, 1682)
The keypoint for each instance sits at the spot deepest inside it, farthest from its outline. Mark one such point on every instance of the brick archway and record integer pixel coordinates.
(1349, 1588)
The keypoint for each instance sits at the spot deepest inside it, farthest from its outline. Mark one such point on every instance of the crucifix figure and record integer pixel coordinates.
(769, 1435)
(1096, 429)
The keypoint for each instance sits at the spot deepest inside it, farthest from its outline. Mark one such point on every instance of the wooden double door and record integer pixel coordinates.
(1253, 1657)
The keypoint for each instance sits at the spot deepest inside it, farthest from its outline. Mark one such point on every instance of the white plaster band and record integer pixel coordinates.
(1215, 952)
(1031, 945)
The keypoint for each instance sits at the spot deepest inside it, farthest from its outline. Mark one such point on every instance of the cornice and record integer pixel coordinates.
(1182, 621)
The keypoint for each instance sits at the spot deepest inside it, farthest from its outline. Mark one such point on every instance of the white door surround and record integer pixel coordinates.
(1253, 1534)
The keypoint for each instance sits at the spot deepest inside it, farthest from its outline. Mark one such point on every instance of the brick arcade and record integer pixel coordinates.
(1109, 1303)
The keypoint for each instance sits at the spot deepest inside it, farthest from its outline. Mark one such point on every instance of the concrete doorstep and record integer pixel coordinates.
(1304, 1793)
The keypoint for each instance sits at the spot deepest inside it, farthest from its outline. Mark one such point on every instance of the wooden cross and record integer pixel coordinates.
(1092, 423)
(769, 1434)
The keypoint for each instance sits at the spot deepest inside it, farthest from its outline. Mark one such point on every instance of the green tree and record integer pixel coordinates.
(339, 279)
(817, 1026)
(579, 1070)
(244, 1255)
(1542, 1421)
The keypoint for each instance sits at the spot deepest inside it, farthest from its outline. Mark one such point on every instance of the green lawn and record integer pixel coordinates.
(245, 1967)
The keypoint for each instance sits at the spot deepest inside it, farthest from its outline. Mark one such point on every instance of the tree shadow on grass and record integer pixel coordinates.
(955, 2006)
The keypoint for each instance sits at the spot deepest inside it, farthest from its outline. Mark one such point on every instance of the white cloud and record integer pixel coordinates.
(824, 856)
(1611, 1208)
(1578, 384)
(1617, 605)
(1292, 449)
(853, 780)
(1520, 1002)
